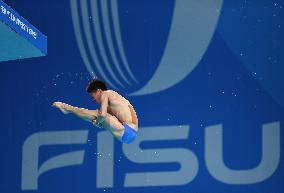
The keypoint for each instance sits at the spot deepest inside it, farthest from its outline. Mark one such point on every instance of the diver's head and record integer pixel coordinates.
(95, 88)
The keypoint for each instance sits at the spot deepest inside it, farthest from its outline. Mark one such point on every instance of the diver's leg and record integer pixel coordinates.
(112, 124)
(85, 114)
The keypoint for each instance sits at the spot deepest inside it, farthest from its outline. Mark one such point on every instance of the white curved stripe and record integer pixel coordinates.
(116, 25)
(78, 34)
(91, 46)
(77, 30)
(193, 26)
(62, 160)
(107, 31)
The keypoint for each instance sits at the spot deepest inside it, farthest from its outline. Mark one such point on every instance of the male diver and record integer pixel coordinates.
(116, 114)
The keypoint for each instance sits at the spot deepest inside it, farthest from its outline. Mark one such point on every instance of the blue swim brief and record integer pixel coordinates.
(129, 134)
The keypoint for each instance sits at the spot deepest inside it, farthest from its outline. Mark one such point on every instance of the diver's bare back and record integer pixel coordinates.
(121, 108)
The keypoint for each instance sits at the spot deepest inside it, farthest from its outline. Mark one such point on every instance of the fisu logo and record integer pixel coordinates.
(192, 27)
(187, 159)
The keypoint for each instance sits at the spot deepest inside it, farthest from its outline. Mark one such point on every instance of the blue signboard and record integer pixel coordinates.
(19, 39)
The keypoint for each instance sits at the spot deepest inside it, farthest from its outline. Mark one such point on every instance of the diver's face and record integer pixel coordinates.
(97, 96)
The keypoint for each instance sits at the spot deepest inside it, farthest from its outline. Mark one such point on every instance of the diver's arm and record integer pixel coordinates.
(103, 110)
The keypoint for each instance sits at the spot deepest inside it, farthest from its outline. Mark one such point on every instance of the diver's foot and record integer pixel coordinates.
(63, 107)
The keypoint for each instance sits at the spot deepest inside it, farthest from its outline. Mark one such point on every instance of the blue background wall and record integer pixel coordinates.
(237, 85)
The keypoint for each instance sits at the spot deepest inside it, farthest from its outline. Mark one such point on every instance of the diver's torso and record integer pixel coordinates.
(120, 107)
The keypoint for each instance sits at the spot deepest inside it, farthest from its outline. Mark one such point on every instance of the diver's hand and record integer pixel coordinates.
(97, 123)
